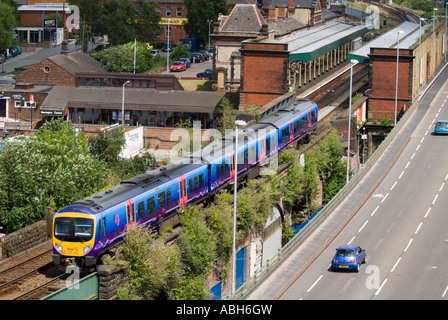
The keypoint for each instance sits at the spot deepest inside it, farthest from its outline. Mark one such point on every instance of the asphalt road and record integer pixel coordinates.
(403, 225)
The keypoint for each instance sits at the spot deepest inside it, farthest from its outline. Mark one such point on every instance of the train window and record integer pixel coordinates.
(218, 171)
(190, 185)
(168, 196)
(151, 205)
(196, 183)
(201, 180)
(268, 145)
(141, 210)
(223, 168)
(162, 201)
(130, 211)
(99, 229)
(104, 227)
(246, 156)
(226, 168)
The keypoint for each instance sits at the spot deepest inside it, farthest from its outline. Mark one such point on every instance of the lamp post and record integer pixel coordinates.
(352, 63)
(122, 104)
(396, 80)
(434, 38)
(237, 123)
(209, 33)
(420, 56)
(168, 48)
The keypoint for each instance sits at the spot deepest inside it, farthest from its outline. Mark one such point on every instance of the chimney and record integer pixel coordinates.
(281, 12)
(64, 47)
(271, 14)
(292, 5)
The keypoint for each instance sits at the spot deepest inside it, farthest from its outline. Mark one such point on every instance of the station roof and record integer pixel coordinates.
(310, 44)
(407, 39)
(136, 99)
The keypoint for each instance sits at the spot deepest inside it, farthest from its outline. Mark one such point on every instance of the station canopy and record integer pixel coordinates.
(409, 36)
(310, 44)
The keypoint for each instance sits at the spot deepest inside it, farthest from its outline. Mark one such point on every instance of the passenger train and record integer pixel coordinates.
(88, 228)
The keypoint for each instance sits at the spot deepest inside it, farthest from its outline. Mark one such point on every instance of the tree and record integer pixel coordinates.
(55, 167)
(155, 267)
(120, 58)
(118, 21)
(7, 23)
(147, 23)
(90, 24)
(199, 11)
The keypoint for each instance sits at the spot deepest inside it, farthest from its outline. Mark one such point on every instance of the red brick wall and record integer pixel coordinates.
(264, 71)
(37, 75)
(383, 78)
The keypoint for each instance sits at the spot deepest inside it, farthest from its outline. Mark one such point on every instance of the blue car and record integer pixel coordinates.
(348, 257)
(441, 127)
(187, 61)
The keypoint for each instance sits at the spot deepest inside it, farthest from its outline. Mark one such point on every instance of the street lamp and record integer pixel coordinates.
(420, 56)
(209, 33)
(434, 38)
(122, 104)
(352, 63)
(396, 80)
(168, 48)
(237, 123)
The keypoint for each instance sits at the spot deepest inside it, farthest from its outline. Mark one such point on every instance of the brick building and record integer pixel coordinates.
(59, 69)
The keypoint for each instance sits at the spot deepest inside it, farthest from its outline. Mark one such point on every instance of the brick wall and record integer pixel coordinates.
(55, 75)
(23, 239)
(264, 70)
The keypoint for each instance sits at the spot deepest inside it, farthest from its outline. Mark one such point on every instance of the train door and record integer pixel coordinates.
(262, 153)
(309, 118)
(130, 211)
(291, 132)
(232, 166)
(183, 191)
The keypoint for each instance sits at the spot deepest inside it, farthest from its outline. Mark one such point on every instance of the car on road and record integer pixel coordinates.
(441, 127)
(178, 66)
(208, 73)
(348, 257)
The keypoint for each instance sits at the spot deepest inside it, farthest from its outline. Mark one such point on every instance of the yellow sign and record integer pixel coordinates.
(174, 21)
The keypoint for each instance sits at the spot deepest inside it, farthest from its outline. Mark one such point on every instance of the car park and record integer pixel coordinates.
(348, 257)
(441, 127)
(208, 73)
(178, 66)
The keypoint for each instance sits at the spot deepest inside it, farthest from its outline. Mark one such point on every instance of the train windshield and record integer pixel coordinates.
(73, 229)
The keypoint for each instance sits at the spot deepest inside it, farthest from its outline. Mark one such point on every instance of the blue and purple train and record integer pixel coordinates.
(88, 228)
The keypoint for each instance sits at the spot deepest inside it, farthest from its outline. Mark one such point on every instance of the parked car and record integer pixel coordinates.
(441, 127)
(348, 257)
(197, 57)
(210, 52)
(18, 49)
(154, 52)
(14, 50)
(208, 73)
(7, 53)
(178, 66)
(167, 47)
(187, 61)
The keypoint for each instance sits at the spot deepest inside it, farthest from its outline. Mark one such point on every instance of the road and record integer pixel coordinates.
(403, 225)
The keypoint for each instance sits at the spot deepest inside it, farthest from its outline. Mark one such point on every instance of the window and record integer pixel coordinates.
(47, 69)
(141, 210)
(151, 205)
(196, 183)
(179, 12)
(162, 200)
(168, 11)
(168, 196)
(190, 185)
(201, 180)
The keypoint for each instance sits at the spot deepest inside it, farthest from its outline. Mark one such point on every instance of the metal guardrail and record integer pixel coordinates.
(271, 265)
